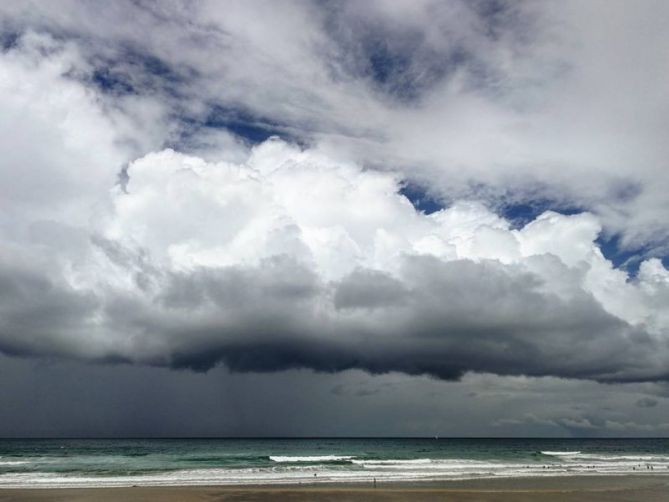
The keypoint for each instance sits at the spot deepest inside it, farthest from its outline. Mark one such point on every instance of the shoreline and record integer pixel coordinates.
(640, 488)
(308, 482)
(329, 483)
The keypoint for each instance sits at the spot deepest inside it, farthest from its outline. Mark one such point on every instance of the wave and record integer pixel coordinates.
(639, 458)
(222, 458)
(314, 458)
(560, 453)
(415, 461)
(577, 456)
(452, 466)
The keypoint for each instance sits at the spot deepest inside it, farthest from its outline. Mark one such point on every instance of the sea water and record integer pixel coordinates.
(158, 462)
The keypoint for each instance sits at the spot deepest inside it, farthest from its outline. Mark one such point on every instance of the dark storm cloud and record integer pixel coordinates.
(458, 317)
(441, 319)
(369, 289)
(50, 398)
(646, 402)
(32, 304)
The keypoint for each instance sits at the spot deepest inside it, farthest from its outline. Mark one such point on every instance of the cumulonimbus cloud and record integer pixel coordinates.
(292, 260)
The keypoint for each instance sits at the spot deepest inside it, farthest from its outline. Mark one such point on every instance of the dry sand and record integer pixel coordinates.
(581, 489)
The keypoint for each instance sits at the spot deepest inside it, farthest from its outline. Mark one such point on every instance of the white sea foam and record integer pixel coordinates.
(446, 465)
(560, 453)
(415, 461)
(315, 458)
(618, 458)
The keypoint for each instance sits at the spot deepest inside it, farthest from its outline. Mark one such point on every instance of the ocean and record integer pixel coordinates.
(52, 463)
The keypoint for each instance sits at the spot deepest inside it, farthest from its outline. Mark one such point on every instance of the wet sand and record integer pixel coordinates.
(571, 489)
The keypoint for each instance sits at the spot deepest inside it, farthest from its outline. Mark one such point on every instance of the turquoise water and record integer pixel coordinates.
(123, 462)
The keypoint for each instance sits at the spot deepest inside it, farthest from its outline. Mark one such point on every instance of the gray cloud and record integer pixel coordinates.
(646, 402)
(369, 289)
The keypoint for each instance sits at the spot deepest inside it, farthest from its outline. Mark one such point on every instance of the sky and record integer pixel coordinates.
(334, 218)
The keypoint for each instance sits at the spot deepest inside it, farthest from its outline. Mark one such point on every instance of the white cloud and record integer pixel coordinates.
(559, 100)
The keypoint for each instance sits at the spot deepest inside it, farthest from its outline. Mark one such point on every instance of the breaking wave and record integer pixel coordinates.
(314, 458)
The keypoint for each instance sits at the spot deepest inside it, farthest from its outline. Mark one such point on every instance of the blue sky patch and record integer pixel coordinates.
(114, 82)
(628, 259)
(248, 126)
(420, 199)
(521, 213)
(8, 39)
(406, 70)
(133, 72)
(241, 123)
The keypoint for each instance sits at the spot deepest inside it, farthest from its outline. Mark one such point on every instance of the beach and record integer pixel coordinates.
(642, 488)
